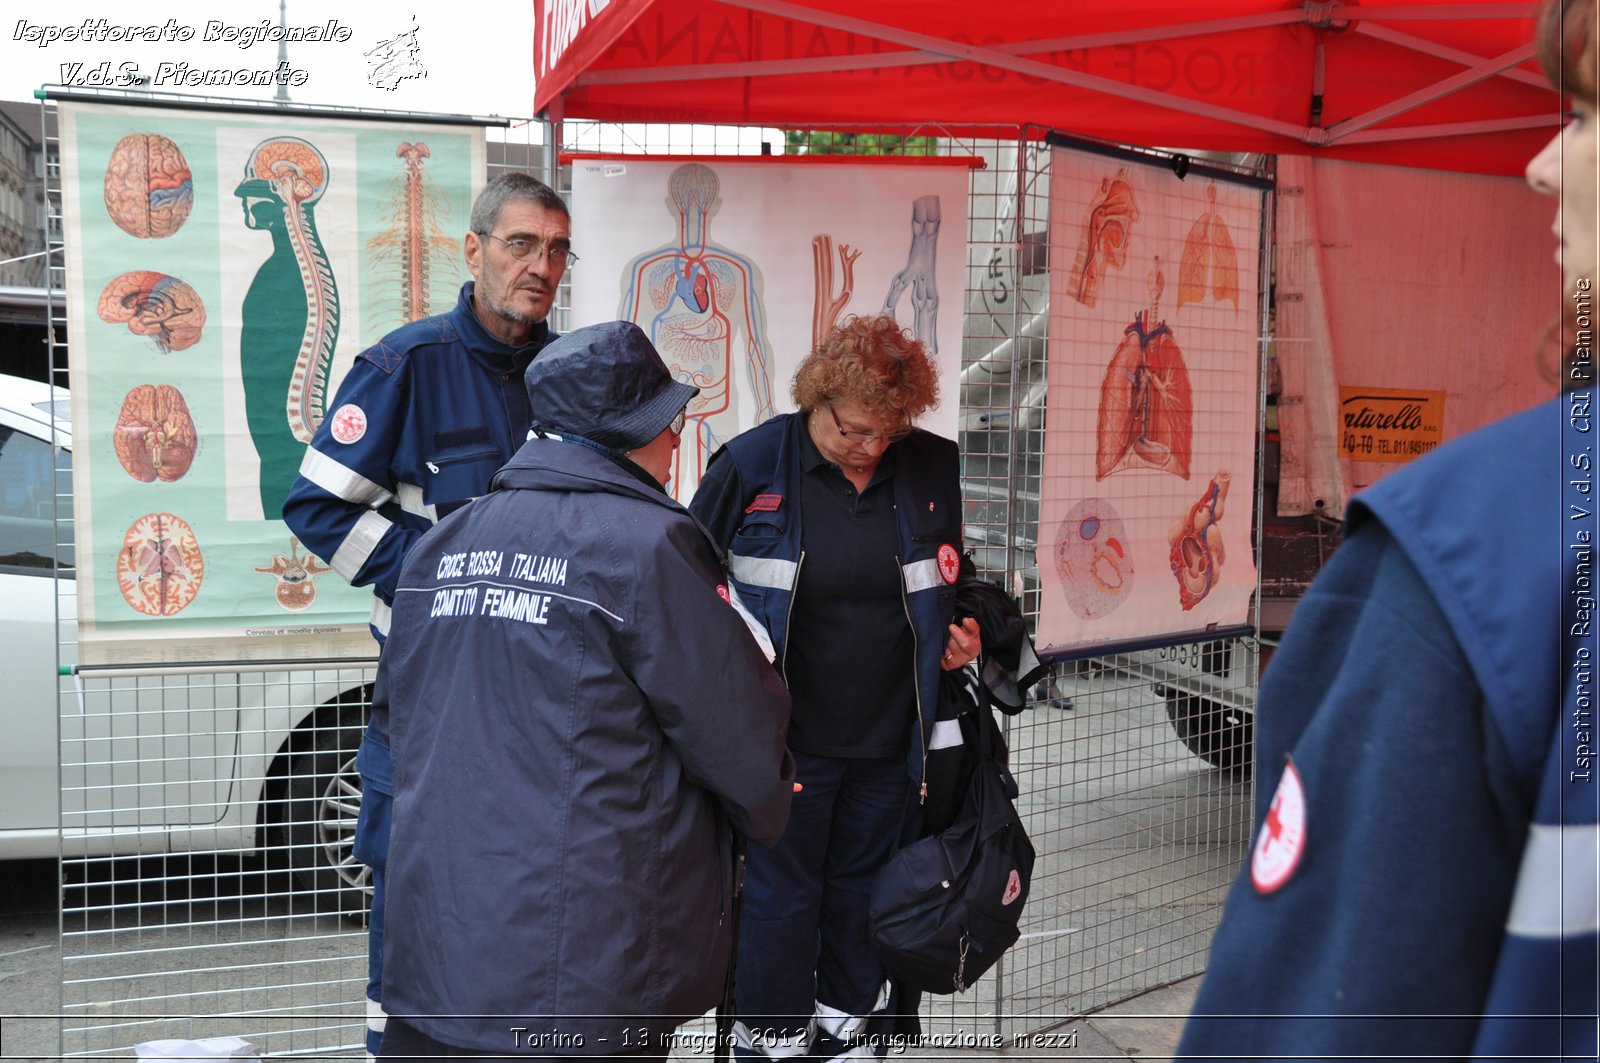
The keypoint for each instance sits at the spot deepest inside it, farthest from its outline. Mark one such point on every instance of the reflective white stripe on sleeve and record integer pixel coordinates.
(757, 632)
(341, 481)
(376, 1016)
(763, 571)
(381, 612)
(922, 575)
(410, 498)
(1558, 886)
(359, 544)
(946, 734)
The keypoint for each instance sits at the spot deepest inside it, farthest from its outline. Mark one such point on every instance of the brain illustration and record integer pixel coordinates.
(160, 567)
(149, 189)
(1094, 558)
(155, 436)
(155, 305)
(295, 168)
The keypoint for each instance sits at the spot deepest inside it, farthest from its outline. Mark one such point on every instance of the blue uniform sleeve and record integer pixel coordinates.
(719, 500)
(1391, 920)
(345, 503)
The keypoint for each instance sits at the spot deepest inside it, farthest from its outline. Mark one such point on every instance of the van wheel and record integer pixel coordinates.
(1220, 735)
(324, 798)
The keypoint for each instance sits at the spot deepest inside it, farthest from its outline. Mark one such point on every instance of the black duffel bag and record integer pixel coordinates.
(945, 907)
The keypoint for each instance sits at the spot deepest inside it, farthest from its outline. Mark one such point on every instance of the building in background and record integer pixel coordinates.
(28, 157)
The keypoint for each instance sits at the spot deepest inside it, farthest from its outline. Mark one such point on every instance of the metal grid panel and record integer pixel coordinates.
(238, 771)
(208, 882)
(1138, 837)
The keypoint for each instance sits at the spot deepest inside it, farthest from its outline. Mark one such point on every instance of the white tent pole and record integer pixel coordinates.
(1454, 129)
(1439, 51)
(986, 56)
(1432, 12)
(1154, 33)
(920, 57)
(1482, 72)
(930, 49)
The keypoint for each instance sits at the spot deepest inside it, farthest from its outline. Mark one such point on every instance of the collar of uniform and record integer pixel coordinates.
(564, 460)
(811, 458)
(500, 356)
(625, 463)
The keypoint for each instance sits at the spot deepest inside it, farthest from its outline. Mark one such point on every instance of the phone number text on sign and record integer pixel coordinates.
(1389, 424)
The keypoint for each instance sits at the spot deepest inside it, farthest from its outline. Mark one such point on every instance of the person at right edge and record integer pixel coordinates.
(842, 524)
(1422, 881)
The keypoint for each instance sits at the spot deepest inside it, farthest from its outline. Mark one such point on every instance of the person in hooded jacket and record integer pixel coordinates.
(419, 424)
(580, 721)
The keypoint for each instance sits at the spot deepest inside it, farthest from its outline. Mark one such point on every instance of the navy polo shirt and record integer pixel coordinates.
(850, 656)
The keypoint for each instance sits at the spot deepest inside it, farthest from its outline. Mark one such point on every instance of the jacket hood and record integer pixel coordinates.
(551, 462)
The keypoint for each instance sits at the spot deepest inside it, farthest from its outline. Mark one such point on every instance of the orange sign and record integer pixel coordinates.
(1389, 424)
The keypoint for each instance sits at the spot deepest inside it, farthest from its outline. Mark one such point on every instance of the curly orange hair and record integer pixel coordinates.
(870, 361)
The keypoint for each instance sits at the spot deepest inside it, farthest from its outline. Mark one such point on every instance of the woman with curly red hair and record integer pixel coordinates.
(842, 524)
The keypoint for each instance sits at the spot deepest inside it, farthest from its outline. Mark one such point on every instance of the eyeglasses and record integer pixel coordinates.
(676, 427)
(865, 437)
(524, 247)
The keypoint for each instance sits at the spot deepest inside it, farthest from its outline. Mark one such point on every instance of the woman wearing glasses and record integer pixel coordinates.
(842, 524)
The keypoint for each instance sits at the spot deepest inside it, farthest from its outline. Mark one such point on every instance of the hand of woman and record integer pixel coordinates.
(963, 646)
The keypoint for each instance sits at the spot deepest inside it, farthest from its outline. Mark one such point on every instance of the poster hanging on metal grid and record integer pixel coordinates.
(1150, 440)
(223, 270)
(735, 267)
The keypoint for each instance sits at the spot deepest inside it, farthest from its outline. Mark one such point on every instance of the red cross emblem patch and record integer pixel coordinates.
(949, 563)
(1282, 841)
(349, 423)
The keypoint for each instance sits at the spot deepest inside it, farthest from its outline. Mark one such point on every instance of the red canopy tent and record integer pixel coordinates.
(1420, 83)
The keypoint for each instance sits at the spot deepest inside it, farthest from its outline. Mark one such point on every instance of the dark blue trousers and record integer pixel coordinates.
(804, 949)
(372, 848)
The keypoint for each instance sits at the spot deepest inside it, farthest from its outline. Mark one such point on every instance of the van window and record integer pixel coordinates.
(29, 541)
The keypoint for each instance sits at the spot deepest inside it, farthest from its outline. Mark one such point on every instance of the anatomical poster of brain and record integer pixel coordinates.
(736, 266)
(224, 269)
(1149, 465)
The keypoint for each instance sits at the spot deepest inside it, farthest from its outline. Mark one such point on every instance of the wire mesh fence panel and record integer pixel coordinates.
(1138, 837)
(206, 815)
(208, 882)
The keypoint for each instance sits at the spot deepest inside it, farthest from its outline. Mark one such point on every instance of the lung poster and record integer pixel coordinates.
(1149, 464)
(223, 270)
(735, 266)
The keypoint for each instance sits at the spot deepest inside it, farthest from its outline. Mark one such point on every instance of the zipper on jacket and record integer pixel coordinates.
(788, 619)
(916, 682)
(440, 461)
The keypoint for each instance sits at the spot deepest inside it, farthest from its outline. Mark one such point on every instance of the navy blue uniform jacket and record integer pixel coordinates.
(1430, 697)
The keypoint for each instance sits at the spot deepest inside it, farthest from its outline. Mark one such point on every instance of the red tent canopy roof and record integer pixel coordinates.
(1420, 83)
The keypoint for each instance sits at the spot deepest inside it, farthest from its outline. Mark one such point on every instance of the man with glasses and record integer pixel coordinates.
(580, 721)
(420, 423)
